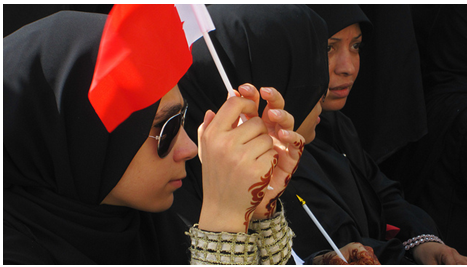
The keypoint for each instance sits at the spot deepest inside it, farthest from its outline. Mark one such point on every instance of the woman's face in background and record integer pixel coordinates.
(344, 64)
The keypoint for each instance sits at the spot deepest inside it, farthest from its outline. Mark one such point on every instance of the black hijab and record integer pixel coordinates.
(338, 17)
(281, 46)
(59, 160)
(258, 44)
(386, 104)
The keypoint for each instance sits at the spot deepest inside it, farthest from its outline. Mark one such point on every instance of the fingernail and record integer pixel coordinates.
(276, 112)
(247, 88)
(267, 90)
(285, 132)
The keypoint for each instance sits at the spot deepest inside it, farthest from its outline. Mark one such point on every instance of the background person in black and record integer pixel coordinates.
(341, 184)
(16, 16)
(433, 171)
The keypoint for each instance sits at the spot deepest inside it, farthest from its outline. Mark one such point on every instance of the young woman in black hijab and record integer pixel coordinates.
(341, 184)
(76, 194)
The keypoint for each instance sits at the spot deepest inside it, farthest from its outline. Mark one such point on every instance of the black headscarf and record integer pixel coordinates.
(386, 104)
(59, 160)
(338, 17)
(281, 46)
(258, 44)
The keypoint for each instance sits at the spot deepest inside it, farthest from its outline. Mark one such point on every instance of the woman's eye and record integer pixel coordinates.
(329, 48)
(357, 46)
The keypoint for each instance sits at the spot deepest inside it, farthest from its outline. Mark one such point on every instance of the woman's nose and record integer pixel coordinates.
(346, 63)
(185, 148)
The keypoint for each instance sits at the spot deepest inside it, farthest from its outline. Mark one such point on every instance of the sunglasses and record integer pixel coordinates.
(169, 131)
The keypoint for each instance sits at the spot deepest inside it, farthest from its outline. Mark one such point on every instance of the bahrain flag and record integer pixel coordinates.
(143, 53)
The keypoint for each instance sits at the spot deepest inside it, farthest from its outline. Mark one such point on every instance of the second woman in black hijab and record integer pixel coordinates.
(341, 184)
(257, 44)
(282, 46)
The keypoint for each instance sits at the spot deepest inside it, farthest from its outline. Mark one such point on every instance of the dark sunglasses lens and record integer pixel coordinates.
(168, 134)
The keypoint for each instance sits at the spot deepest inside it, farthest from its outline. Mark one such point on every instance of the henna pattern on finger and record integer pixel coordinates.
(257, 191)
(300, 145)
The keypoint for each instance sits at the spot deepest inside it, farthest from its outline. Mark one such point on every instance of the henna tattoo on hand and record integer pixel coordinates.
(366, 257)
(332, 259)
(257, 191)
(271, 206)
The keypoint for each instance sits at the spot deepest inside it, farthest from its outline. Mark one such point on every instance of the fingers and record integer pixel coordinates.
(459, 259)
(281, 117)
(208, 117)
(231, 110)
(454, 258)
(357, 253)
(290, 153)
(273, 97)
(248, 91)
(260, 145)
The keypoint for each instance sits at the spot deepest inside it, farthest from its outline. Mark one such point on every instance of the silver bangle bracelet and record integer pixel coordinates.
(413, 242)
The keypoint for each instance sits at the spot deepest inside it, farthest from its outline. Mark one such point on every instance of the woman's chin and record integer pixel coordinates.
(333, 104)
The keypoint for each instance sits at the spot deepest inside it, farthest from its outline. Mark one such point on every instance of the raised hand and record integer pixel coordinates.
(234, 159)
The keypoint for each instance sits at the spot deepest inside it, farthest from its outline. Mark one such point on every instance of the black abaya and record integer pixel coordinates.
(60, 161)
(349, 195)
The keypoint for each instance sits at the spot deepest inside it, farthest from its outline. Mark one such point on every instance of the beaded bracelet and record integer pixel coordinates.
(413, 242)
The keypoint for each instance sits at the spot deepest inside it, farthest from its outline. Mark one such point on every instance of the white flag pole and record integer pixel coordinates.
(214, 55)
(321, 229)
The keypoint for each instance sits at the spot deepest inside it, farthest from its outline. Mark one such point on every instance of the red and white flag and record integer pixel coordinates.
(144, 51)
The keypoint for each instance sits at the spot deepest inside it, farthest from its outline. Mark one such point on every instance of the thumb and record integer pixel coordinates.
(208, 117)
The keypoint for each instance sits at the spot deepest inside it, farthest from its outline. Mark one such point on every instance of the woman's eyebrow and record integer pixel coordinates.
(166, 113)
(338, 39)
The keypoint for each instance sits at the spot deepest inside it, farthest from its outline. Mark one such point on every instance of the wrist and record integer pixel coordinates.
(265, 212)
(413, 245)
(214, 220)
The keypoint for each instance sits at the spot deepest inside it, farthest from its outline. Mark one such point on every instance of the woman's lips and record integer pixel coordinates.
(341, 91)
(176, 183)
